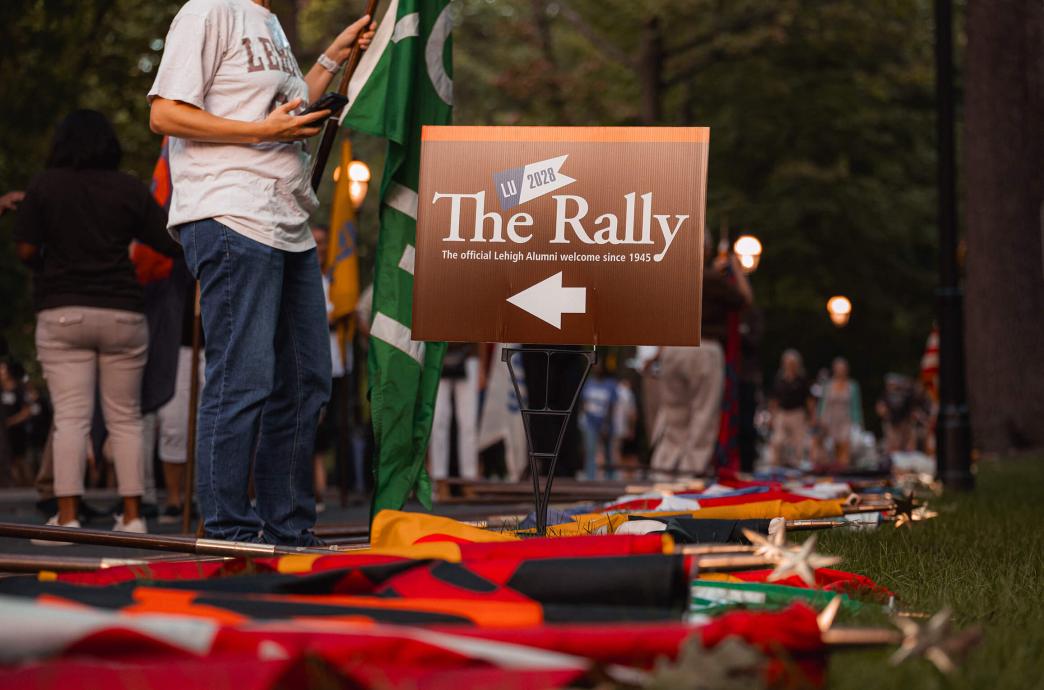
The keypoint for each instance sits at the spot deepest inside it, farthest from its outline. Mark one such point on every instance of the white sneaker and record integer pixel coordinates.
(137, 525)
(53, 522)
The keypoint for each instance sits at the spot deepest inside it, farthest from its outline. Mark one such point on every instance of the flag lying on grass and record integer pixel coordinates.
(506, 613)
(403, 82)
(49, 645)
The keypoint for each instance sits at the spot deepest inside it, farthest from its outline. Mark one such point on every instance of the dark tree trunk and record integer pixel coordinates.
(1004, 173)
(542, 22)
(650, 71)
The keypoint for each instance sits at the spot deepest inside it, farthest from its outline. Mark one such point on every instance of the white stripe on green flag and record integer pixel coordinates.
(403, 82)
(710, 597)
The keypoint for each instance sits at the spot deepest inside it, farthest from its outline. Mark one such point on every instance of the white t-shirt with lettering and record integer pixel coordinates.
(231, 58)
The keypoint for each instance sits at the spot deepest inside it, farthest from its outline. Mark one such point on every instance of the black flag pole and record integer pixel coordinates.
(190, 441)
(326, 141)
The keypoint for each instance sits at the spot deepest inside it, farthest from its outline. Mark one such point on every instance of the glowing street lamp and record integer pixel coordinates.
(748, 249)
(358, 180)
(840, 309)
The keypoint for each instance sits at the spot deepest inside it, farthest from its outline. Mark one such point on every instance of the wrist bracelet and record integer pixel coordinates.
(326, 63)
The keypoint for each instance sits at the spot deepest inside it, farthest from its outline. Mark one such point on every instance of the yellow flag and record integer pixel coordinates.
(394, 529)
(342, 260)
(599, 523)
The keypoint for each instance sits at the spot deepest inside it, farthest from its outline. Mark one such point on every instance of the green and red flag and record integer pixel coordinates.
(403, 82)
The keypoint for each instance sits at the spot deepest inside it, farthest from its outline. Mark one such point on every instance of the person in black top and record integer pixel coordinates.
(74, 229)
(790, 405)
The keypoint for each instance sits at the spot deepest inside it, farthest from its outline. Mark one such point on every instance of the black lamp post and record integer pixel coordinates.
(953, 432)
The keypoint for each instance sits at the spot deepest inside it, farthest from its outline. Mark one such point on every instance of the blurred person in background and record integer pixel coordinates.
(172, 418)
(925, 412)
(597, 401)
(752, 329)
(896, 408)
(625, 426)
(38, 426)
(457, 399)
(334, 433)
(840, 411)
(790, 405)
(73, 229)
(15, 413)
(692, 379)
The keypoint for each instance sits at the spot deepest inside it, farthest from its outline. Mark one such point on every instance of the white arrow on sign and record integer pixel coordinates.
(548, 300)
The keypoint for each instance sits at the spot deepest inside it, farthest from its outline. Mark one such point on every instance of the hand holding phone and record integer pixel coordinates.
(331, 101)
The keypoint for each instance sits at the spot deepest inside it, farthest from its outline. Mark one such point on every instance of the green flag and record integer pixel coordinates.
(403, 82)
(711, 598)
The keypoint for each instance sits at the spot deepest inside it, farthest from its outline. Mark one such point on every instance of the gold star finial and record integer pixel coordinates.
(803, 562)
(934, 641)
(769, 547)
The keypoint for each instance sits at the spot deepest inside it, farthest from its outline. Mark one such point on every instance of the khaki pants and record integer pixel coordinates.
(692, 380)
(789, 437)
(81, 349)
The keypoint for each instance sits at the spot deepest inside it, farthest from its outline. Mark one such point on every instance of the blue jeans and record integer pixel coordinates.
(593, 442)
(267, 380)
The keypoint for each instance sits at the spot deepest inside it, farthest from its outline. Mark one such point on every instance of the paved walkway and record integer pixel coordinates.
(19, 505)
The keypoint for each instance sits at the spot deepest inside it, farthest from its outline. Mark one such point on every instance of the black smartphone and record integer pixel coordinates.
(331, 101)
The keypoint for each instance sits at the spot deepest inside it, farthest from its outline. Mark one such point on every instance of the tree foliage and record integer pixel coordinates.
(821, 119)
(820, 114)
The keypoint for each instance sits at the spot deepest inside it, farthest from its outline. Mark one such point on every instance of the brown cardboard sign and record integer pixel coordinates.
(560, 235)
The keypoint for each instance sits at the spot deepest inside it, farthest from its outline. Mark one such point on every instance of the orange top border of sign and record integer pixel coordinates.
(621, 134)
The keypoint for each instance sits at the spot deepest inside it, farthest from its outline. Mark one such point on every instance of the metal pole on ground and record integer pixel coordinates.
(155, 542)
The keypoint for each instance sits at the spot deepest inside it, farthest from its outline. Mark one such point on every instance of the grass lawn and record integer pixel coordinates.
(983, 557)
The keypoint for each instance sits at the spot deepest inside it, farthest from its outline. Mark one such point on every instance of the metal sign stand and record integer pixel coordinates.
(530, 411)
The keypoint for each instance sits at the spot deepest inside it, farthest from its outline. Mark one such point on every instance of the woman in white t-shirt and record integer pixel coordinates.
(226, 91)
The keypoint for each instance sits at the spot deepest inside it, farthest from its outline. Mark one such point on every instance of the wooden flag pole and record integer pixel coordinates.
(326, 142)
(154, 542)
(732, 561)
(34, 564)
(193, 411)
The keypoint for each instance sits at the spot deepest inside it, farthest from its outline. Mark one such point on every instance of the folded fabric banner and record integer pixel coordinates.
(418, 592)
(711, 597)
(653, 581)
(399, 529)
(827, 579)
(233, 608)
(686, 530)
(52, 642)
(365, 562)
(710, 500)
(598, 523)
